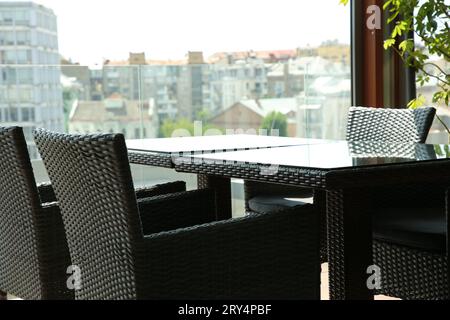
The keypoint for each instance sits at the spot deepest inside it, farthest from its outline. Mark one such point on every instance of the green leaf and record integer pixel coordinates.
(441, 96)
(388, 43)
(344, 2)
(417, 103)
(386, 4)
(399, 28)
(438, 150)
(406, 45)
(392, 18)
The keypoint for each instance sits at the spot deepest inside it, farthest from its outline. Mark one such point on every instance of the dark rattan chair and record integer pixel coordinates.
(364, 124)
(34, 255)
(33, 251)
(410, 228)
(410, 241)
(170, 246)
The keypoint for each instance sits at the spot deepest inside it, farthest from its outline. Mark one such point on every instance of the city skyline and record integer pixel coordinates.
(93, 31)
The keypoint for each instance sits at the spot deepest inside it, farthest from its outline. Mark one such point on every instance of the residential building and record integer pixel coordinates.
(248, 115)
(270, 56)
(287, 79)
(96, 83)
(162, 83)
(137, 58)
(135, 120)
(330, 50)
(242, 79)
(81, 74)
(195, 57)
(193, 94)
(30, 87)
(179, 89)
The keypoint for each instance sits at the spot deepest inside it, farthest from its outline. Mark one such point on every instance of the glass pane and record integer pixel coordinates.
(214, 67)
(438, 133)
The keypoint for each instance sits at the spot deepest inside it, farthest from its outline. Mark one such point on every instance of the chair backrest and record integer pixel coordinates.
(20, 256)
(92, 181)
(389, 125)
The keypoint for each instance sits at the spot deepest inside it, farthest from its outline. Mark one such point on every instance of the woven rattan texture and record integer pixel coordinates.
(271, 256)
(283, 175)
(92, 180)
(389, 125)
(33, 249)
(335, 237)
(149, 159)
(93, 183)
(411, 274)
(407, 273)
(19, 203)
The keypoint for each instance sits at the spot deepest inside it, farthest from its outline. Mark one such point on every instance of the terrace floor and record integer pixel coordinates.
(324, 287)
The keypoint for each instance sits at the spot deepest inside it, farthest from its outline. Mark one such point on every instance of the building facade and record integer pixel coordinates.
(133, 119)
(237, 80)
(30, 84)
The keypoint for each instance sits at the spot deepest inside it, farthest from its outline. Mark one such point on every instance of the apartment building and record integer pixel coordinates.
(134, 119)
(30, 86)
(232, 82)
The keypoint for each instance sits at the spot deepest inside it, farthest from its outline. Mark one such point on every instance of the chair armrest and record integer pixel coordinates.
(55, 256)
(269, 256)
(160, 189)
(46, 192)
(177, 210)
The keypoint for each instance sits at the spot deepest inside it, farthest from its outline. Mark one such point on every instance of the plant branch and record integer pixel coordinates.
(444, 11)
(420, 68)
(444, 125)
(436, 66)
(427, 41)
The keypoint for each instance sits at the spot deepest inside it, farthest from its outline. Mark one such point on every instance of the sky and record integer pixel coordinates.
(93, 30)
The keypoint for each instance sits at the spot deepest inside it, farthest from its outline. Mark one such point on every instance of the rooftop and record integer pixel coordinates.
(114, 108)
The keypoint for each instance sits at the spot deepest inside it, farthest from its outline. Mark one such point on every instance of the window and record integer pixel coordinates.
(24, 75)
(28, 114)
(277, 68)
(22, 17)
(137, 133)
(23, 37)
(25, 94)
(17, 56)
(13, 114)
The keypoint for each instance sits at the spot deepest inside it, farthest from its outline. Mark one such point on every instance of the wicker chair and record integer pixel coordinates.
(170, 247)
(33, 251)
(364, 124)
(410, 241)
(34, 255)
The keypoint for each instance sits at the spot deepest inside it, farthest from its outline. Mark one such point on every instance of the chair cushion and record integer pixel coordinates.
(267, 204)
(420, 228)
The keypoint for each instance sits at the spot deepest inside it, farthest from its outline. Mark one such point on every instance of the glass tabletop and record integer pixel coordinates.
(329, 155)
(215, 143)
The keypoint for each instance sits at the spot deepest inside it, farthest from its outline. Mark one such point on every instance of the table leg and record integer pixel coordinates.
(349, 244)
(320, 201)
(222, 187)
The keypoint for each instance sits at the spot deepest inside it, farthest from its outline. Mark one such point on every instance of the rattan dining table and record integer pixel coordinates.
(162, 152)
(346, 172)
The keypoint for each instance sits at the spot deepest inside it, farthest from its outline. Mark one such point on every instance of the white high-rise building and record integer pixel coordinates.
(30, 77)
